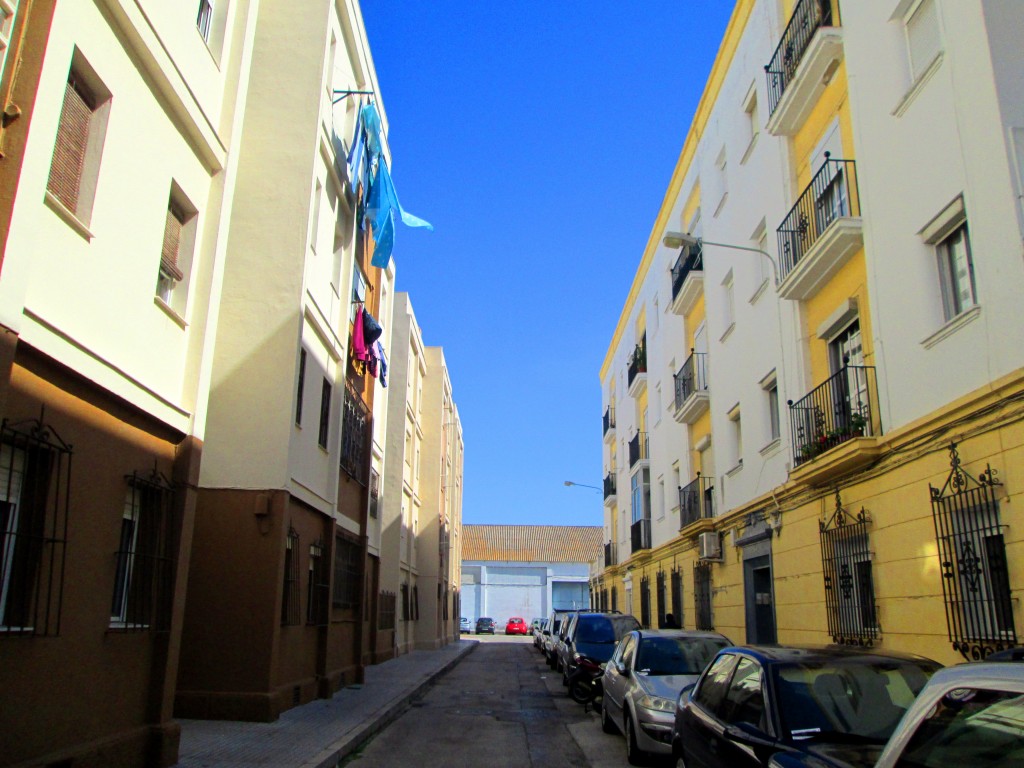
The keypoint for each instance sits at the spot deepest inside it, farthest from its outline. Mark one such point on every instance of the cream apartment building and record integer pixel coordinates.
(421, 508)
(128, 120)
(850, 402)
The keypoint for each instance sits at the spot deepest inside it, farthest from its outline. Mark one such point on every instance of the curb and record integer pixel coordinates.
(332, 756)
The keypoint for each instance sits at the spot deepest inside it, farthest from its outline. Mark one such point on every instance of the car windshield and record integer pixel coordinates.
(595, 629)
(859, 697)
(676, 655)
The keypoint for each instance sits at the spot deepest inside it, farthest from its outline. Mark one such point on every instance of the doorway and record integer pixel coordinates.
(759, 599)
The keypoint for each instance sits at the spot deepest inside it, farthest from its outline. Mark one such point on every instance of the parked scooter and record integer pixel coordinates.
(585, 682)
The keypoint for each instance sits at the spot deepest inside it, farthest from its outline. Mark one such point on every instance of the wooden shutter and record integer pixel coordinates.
(172, 240)
(72, 140)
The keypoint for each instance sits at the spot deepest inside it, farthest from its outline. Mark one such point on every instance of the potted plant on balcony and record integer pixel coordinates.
(857, 425)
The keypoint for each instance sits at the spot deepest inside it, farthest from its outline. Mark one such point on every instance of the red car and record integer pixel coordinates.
(517, 626)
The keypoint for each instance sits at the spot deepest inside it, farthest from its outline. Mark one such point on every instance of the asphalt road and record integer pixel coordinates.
(501, 706)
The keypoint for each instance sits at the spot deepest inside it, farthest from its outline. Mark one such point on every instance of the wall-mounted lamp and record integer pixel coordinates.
(680, 239)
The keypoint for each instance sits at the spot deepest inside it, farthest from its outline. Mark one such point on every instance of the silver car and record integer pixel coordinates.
(643, 680)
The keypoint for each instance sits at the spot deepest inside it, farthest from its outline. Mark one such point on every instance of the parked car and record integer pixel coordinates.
(970, 714)
(826, 707)
(540, 635)
(593, 635)
(557, 623)
(516, 626)
(465, 625)
(535, 626)
(642, 682)
(485, 624)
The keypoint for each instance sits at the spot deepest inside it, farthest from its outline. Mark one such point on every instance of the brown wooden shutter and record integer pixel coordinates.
(172, 239)
(72, 140)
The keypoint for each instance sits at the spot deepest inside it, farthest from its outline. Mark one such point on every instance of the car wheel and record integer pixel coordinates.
(633, 753)
(606, 722)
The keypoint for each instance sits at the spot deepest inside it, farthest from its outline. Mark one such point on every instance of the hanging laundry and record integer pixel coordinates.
(374, 130)
(358, 348)
(372, 363)
(357, 152)
(380, 209)
(371, 331)
(383, 364)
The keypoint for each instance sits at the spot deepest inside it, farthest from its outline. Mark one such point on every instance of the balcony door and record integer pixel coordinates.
(851, 393)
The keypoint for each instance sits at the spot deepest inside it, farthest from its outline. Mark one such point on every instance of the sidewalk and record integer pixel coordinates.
(322, 732)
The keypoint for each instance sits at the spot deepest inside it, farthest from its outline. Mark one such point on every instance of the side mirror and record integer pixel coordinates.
(622, 669)
(684, 695)
(748, 735)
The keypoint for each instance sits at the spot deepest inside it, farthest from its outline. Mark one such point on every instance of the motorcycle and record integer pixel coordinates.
(585, 682)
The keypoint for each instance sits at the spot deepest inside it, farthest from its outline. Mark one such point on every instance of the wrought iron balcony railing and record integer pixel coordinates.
(638, 361)
(640, 533)
(808, 16)
(690, 260)
(610, 554)
(637, 448)
(840, 409)
(609, 484)
(609, 420)
(696, 501)
(691, 377)
(832, 194)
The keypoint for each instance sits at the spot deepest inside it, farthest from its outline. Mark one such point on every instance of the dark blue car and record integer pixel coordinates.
(833, 706)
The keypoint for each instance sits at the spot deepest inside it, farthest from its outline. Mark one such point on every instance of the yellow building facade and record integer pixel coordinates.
(869, 515)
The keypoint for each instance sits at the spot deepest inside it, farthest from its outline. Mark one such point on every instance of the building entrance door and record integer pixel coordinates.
(760, 606)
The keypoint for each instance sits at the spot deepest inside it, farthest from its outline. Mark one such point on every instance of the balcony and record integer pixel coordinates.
(636, 376)
(822, 231)
(608, 425)
(696, 501)
(687, 279)
(805, 60)
(611, 556)
(638, 449)
(609, 489)
(691, 385)
(836, 426)
(640, 534)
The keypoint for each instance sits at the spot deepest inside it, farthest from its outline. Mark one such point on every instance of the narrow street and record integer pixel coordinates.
(501, 706)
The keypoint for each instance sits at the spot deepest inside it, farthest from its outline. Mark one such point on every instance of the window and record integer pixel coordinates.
(660, 605)
(33, 527)
(645, 602)
(956, 273)
(737, 435)
(347, 573)
(770, 386)
(325, 413)
(715, 683)
(314, 219)
(144, 575)
(74, 169)
(358, 291)
(355, 436)
(728, 305)
(374, 493)
(615, 599)
(721, 180)
(924, 40)
(676, 581)
(702, 596)
(386, 612)
(204, 19)
(318, 587)
(849, 583)
(301, 387)
(290, 587)
(752, 121)
(7, 10)
(176, 252)
(744, 701)
(406, 610)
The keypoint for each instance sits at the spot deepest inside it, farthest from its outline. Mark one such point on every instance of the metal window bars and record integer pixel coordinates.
(702, 596)
(640, 534)
(690, 259)
(676, 582)
(808, 16)
(637, 362)
(637, 448)
(319, 588)
(691, 377)
(696, 501)
(661, 602)
(972, 557)
(849, 582)
(35, 489)
(843, 407)
(290, 587)
(645, 602)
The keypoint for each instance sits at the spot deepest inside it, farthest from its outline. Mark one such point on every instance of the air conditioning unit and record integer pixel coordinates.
(709, 546)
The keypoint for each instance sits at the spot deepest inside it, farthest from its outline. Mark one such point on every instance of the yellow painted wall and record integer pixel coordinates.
(692, 204)
(849, 283)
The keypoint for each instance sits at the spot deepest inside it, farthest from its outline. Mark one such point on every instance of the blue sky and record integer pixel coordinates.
(539, 139)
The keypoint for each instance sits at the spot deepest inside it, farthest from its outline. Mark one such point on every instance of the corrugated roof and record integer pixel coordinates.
(532, 543)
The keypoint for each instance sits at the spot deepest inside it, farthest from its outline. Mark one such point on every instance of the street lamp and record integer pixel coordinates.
(581, 485)
(679, 239)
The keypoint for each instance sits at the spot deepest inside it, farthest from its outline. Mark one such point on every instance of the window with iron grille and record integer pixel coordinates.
(35, 470)
(660, 592)
(374, 492)
(444, 602)
(849, 585)
(973, 564)
(414, 608)
(677, 596)
(325, 413)
(645, 602)
(406, 610)
(702, 596)
(386, 619)
(355, 458)
(318, 587)
(144, 577)
(74, 168)
(347, 573)
(290, 588)
(615, 599)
